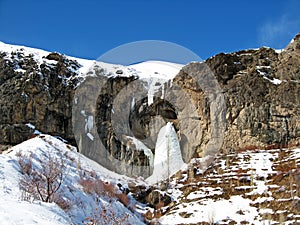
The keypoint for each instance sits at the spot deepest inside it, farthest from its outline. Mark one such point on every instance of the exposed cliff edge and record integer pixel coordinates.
(260, 92)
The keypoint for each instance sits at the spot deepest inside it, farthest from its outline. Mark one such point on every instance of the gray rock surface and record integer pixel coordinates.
(257, 111)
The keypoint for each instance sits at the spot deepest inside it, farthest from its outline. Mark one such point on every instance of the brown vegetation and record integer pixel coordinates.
(41, 183)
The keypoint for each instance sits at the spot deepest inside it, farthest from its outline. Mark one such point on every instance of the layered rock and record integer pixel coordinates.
(255, 102)
(35, 92)
(261, 88)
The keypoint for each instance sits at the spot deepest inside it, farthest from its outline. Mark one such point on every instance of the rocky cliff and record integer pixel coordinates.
(262, 95)
(38, 92)
(260, 92)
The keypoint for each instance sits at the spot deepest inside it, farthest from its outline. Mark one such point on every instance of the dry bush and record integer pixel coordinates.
(123, 198)
(109, 189)
(266, 147)
(41, 183)
(64, 204)
(157, 213)
(99, 188)
(274, 146)
(95, 186)
(32, 136)
(148, 216)
(25, 163)
(88, 185)
(247, 148)
(104, 216)
(159, 205)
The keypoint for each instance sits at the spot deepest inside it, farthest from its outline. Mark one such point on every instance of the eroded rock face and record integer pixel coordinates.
(260, 111)
(36, 93)
(106, 139)
(288, 66)
(260, 90)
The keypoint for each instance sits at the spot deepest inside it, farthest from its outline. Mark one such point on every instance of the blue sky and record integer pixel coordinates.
(89, 28)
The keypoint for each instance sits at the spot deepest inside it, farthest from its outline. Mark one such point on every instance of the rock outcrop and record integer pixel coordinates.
(259, 89)
(262, 91)
(33, 92)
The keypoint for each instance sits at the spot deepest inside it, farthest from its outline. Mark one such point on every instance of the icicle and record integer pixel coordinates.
(132, 103)
(162, 91)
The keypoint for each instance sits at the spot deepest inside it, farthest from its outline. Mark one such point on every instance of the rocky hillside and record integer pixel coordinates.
(260, 88)
(245, 187)
(35, 89)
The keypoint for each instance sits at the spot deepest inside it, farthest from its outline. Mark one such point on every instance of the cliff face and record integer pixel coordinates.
(262, 96)
(259, 105)
(36, 92)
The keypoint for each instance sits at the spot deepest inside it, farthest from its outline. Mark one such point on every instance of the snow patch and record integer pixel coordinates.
(279, 50)
(213, 212)
(273, 81)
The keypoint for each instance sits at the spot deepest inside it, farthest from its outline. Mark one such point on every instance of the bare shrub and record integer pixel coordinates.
(102, 214)
(248, 148)
(123, 198)
(157, 213)
(159, 205)
(88, 185)
(100, 188)
(64, 204)
(274, 146)
(95, 186)
(41, 183)
(105, 215)
(110, 190)
(25, 163)
(148, 215)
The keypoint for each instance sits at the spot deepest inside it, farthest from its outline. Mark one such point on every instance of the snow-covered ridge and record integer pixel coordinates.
(153, 73)
(145, 70)
(37, 53)
(14, 210)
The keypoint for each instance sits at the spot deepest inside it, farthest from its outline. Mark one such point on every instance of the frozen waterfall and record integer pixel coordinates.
(167, 159)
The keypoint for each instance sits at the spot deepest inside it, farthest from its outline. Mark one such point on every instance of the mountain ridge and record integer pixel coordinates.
(39, 89)
(253, 178)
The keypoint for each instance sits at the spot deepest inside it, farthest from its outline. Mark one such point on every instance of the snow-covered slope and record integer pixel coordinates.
(80, 205)
(250, 187)
(39, 55)
(260, 186)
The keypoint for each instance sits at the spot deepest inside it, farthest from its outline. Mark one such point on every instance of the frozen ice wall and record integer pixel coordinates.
(168, 159)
